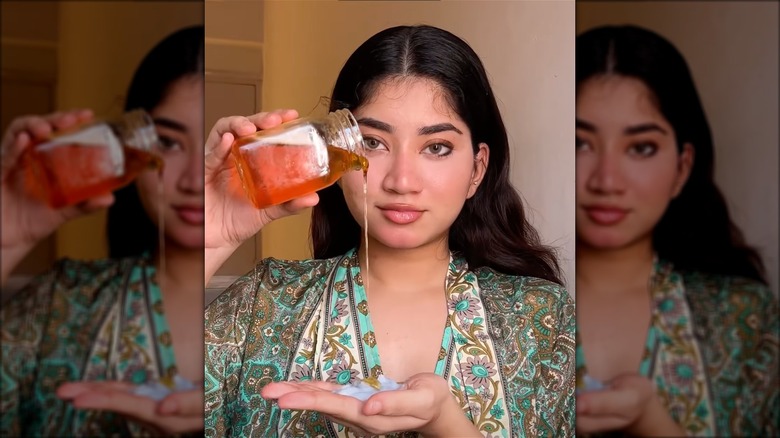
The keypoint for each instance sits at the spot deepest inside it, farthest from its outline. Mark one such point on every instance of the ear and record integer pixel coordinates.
(684, 167)
(481, 160)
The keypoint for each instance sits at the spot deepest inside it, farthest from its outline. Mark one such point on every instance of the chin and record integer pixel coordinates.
(406, 239)
(604, 241)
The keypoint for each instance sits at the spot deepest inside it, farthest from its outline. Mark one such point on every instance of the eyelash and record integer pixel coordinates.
(636, 148)
(446, 149)
(580, 144)
(168, 144)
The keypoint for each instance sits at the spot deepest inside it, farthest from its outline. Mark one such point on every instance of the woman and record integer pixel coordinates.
(675, 318)
(463, 302)
(78, 340)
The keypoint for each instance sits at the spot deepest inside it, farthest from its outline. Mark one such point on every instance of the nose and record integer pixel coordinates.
(606, 175)
(403, 175)
(191, 178)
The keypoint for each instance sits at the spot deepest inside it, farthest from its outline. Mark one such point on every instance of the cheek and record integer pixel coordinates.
(148, 191)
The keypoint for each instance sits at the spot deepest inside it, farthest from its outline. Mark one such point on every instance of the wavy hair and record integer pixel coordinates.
(177, 56)
(492, 229)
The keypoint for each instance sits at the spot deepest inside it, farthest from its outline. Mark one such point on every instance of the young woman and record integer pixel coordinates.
(78, 340)
(463, 305)
(674, 316)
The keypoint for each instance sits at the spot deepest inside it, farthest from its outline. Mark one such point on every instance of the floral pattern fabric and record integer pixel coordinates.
(507, 348)
(712, 352)
(82, 321)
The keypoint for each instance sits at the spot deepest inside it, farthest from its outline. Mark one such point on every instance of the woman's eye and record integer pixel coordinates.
(581, 145)
(168, 144)
(372, 143)
(439, 149)
(644, 149)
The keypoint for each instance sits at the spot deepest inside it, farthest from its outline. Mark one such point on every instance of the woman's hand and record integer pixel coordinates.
(177, 413)
(230, 217)
(424, 405)
(26, 219)
(630, 404)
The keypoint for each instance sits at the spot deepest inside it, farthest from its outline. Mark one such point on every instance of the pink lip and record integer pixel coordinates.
(401, 214)
(605, 215)
(192, 215)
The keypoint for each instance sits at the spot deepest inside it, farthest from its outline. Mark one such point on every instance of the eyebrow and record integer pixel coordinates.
(631, 130)
(645, 127)
(425, 130)
(581, 124)
(168, 123)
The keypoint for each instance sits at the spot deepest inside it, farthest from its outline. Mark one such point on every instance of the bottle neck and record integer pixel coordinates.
(136, 130)
(345, 132)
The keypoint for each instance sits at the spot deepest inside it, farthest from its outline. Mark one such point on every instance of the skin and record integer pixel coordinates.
(432, 171)
(180, 130)
(629, 168)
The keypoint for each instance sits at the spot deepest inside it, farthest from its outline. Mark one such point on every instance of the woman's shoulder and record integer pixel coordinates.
(288, 281)
(725, 288)
(519, 293)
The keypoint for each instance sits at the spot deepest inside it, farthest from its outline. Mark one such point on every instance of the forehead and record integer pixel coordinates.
(617, 98)
(409, 93)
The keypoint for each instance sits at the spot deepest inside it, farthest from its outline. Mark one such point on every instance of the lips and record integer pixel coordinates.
(605, 215)
(401, 214)
(192, 215)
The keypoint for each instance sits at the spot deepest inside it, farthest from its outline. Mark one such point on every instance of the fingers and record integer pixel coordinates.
(408, 402)
(275, 390)
(228, 129)
(290, 208)
(72, 390)
(594, 424)
(118, 397)
(606, 402)
(24, 130)
(187, 403)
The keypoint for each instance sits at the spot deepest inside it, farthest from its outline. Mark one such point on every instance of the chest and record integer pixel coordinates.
(612, 331)
(409, 333)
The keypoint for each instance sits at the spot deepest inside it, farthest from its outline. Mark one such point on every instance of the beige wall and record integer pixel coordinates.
(29, 32)
(732, 50)
(527, 49)
(100, 45)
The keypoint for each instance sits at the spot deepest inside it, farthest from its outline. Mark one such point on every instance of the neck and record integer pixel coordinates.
(182, 275)
(394, 270)
(613, 270)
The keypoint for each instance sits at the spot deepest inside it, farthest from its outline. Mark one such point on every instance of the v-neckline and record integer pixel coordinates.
(364, 327)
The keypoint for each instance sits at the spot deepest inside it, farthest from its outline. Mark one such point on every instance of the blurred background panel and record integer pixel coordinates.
(732, 50)
(62, 55)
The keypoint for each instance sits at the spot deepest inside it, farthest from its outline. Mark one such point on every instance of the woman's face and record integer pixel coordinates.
(179, 123)
(422, 166)
(628, 164)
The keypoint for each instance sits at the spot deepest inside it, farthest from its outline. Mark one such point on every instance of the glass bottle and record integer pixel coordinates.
(92, 159)
(298, 157)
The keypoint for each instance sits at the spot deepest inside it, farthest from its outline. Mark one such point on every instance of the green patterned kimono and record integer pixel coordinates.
(85, 321)
(507, 348)
(712, 352)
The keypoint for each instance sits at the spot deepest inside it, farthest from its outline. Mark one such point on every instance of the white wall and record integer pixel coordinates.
(732, 50)
(527, 48)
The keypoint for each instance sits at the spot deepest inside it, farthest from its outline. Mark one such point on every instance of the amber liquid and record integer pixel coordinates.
(72, 173)
(273, 174)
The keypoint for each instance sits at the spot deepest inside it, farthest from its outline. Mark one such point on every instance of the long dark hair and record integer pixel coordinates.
(131, 232)
(491, 229)
(696, 232)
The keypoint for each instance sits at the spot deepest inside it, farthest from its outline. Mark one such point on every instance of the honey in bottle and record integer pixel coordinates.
(298, 157)
(91, 160)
